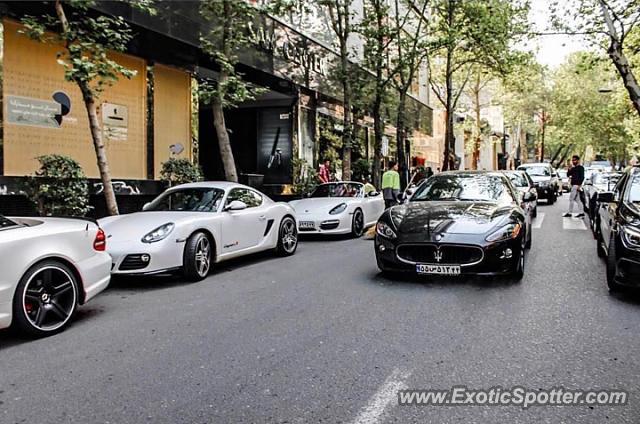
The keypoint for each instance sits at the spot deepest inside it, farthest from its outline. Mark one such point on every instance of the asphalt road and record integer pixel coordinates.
(322, 337)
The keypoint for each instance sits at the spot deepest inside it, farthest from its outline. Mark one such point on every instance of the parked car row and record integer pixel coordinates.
(616, 228)
(55, 264)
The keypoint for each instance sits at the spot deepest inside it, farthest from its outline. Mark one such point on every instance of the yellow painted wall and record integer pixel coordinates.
(31, 70)
(171, 114)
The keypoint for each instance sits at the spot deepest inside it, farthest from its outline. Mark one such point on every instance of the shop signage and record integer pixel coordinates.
(115, 121)
(34, 112)
(292, 50)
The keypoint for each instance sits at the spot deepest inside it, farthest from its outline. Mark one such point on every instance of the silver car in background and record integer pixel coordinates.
(49, 267)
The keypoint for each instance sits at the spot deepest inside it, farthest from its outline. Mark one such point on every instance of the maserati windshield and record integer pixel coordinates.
(517, 179)
(6, 223)
(472, 187)
(538, 171)
(197, 199)
(338, 190)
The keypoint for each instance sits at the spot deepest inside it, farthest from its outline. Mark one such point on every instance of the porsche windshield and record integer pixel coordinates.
(6, 223)
(472, 187)
(197, 199)
(338, 190)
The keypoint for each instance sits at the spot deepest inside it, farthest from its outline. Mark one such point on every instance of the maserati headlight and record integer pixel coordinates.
(338, 209)
(383, 229)
(159, 233)
(631, 235)
(506, 232)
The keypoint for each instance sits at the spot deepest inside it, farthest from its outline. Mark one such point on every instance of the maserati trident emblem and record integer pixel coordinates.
(437, 255)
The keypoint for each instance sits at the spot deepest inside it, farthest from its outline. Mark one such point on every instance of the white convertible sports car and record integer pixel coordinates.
(338, 208)
(49, 266)
(191, 226)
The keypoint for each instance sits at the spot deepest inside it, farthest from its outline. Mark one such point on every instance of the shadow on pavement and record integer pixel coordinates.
(431, 281)
(10, 337)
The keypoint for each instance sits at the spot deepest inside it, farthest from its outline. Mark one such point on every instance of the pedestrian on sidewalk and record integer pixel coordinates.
(576, 178)
(324, 173)
(391, 185)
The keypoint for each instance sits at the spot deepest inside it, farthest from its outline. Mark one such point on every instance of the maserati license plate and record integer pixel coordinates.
(306, 225)
(438, 269)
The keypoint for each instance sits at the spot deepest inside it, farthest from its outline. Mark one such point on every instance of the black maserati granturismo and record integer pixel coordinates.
(457, 223)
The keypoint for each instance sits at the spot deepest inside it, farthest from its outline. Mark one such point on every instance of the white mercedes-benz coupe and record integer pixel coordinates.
(192, 226)
(338, 208)
(49, 266)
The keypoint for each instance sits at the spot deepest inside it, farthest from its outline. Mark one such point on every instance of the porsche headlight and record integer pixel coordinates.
(383, 229)
(631, 236)
(159, 233)
(506, 232)
(338, 209)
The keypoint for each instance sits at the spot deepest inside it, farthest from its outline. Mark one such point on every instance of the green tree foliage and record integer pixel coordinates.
(588, 117)
(59, 187)
(468, 34)
(180, 171)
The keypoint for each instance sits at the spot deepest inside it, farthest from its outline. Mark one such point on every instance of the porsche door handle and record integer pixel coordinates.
(262, 217)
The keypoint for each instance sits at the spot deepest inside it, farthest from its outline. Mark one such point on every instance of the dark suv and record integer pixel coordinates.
(619, 231)
(545, 180)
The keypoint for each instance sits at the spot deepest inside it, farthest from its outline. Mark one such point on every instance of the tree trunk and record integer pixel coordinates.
(101, 154)
(226, 154)
(476, 141)
(94, 126)
(400, 140)
(624, 69)
(378, 132)
(347, 134)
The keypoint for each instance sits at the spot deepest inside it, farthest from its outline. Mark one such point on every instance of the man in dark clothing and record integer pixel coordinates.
(576, 178)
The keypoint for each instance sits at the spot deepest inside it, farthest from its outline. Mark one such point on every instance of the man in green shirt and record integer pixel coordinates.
(391, 185)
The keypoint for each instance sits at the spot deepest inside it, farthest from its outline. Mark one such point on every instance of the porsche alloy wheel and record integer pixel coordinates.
(287, 237)
(46, 299)
(197, 257)
(357, 224)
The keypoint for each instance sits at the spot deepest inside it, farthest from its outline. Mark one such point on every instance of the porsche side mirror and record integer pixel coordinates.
(528, 197)
(605, 197)
(410, 191)
(373, 194)
(236, 205)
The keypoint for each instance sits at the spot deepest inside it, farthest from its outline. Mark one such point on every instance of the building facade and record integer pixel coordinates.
(156, 114)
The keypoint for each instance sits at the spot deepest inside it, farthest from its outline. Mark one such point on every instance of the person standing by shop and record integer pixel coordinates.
(391, 185)
(576, 178)
(324, 173)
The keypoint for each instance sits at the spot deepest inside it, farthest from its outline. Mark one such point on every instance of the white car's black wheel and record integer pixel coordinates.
(197, 257)
(45, 300)
(357, 223)
(287, 237)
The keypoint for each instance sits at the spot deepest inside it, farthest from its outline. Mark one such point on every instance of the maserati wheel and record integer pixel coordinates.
(46, 298)
(612, 266)
(197, 257)
(287, 237)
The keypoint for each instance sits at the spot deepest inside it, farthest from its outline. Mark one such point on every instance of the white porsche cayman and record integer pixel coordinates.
(49, 266)
(191, 226)
(338, 208)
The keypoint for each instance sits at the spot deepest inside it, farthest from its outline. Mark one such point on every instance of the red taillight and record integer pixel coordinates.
(100, 243)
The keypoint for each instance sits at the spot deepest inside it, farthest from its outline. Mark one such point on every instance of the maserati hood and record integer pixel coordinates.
(456, 217)
(318, 204)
